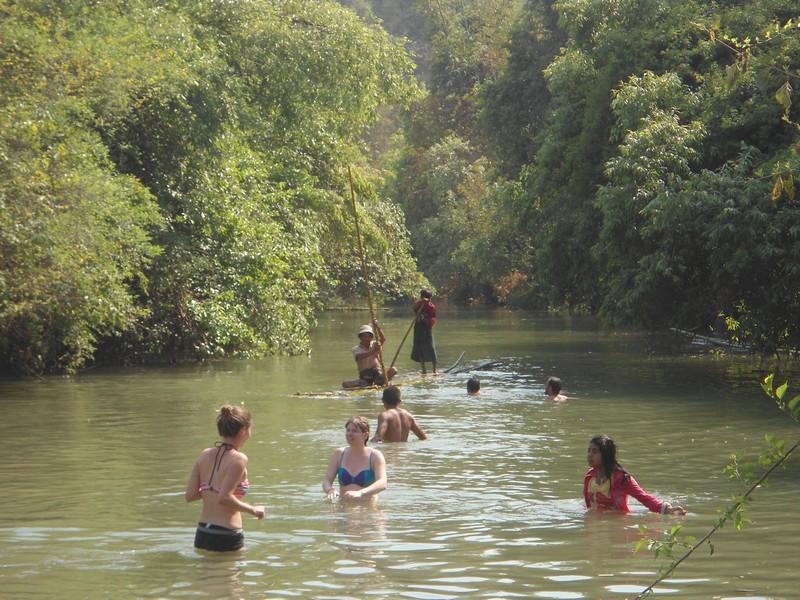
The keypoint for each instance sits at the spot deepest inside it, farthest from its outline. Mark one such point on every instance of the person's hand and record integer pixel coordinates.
(354, 494)
(676, 510)
(331, 493)
(259, 512)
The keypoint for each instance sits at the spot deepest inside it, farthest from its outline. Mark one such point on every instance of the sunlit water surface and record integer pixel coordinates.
(490, 506)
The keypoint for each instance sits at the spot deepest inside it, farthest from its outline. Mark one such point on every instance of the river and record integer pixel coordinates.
(490, 506)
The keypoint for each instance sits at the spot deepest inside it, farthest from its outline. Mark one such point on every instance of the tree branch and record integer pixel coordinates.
(719, 524)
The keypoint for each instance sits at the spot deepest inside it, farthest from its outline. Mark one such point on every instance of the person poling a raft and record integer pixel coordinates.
(369, 352)
(366, 354)
(423, 349)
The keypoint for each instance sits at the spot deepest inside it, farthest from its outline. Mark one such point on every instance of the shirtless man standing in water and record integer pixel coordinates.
(394, 422)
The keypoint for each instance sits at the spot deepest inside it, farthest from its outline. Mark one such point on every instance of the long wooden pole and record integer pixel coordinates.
(405, 337)
(365, 273)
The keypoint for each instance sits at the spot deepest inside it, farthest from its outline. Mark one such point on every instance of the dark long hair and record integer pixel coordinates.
(608, 454)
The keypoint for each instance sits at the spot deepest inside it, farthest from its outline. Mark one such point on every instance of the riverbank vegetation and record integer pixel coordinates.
(173, 174)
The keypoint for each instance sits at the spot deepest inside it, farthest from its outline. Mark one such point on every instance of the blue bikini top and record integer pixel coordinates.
(363, 479)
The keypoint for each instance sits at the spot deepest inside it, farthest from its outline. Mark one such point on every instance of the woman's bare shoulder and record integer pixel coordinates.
(239, 457)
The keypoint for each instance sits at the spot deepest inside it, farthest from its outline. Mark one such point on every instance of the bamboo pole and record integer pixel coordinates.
(405, 337)
(365, 273)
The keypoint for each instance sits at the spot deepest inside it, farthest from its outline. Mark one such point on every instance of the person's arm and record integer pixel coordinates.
(234, 474)
(418, 310)
(193, 485)
(632, 488)
(330, 474)
(418, 431)
(383, 425)
(586, 479)
(379, 464)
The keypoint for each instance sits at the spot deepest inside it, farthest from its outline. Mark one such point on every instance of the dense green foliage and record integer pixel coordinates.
(173, 181)
(633, 159)
(173, 175)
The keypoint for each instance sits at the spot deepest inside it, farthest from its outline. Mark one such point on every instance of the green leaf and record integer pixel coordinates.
(767, 384)
(788, 186)
(732, 74)
(777, 189)
(784, 97)
(781, 390)
(794, 403)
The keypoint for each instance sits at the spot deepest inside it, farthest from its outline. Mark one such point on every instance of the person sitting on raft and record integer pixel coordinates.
(219, 478)
(366, 356)
(607, 485)
(361, 470)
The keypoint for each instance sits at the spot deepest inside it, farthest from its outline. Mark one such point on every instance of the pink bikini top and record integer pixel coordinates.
(240, 489)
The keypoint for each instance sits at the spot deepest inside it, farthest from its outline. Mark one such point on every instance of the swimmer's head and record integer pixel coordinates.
(391, 396)
(608, 452)
(473, 385)
(553, 386)
(359, 423)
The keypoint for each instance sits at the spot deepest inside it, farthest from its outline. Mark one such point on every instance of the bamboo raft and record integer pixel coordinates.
(399, 382)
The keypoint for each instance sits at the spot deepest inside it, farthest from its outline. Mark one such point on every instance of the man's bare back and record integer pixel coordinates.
(394, 422)
(394, 425)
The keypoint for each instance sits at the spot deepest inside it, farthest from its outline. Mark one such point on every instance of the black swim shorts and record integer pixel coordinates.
(217, 538)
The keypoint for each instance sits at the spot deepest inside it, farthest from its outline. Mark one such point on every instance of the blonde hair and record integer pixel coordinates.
(231, 419)
(362, 424)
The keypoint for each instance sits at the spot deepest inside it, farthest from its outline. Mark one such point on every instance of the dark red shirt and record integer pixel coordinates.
(426, 311)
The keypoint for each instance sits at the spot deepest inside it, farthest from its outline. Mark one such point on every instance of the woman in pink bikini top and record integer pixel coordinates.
(219, 479)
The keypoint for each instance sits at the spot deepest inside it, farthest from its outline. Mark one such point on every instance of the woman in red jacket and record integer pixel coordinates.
(608, 485)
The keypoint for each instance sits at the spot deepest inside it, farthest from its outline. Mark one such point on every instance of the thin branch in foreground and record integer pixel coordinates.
(719, 524)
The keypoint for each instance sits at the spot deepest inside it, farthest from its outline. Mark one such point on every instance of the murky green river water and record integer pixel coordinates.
(94, 468)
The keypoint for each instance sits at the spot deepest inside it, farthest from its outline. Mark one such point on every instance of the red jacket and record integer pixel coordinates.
(426, 311)
(622, 485)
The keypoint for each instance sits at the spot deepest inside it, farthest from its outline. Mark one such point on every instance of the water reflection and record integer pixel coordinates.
(610, 536)
(214, 575)
(359, 531)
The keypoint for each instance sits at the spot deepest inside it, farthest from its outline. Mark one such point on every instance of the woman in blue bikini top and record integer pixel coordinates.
(361, 470)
